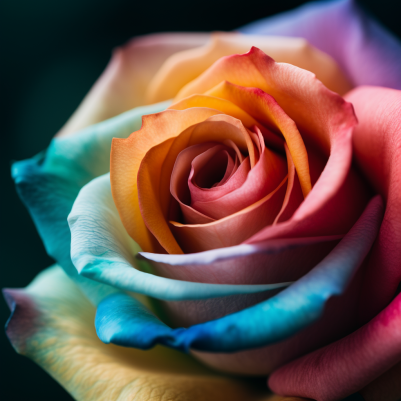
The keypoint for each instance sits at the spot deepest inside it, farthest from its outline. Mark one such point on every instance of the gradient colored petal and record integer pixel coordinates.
(233, 229)
(227, 107)
(346, 366)
(154, 175)
(377, 144)
(270, 321)
(364, 49)
(52, 323)
(49, 183)
(123, 84)
(125, 160)
(103, 251)
(318, 113)
(187, 65)
(263, 179)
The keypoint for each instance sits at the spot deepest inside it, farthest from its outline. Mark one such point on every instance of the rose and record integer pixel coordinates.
(26, 182)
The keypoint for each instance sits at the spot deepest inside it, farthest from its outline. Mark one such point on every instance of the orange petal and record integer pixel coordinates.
(233, 229)
(155, 205)
(228, 107)
(293, 197)
(185, 66)
(264, 108)
(126, 157)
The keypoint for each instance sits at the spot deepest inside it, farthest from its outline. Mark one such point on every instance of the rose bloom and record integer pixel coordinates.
(235, 197)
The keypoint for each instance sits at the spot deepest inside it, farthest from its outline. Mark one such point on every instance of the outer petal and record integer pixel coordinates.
(273, 320)
(366, 52)
(102, 250)
(51, 323)
(377, 144)
(344, 367)
(185, 66)
(49, 183)
(123, 84)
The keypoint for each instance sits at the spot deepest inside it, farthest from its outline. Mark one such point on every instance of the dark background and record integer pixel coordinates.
(51, 54)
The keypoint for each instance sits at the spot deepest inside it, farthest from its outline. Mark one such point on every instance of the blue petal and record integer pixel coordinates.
(366, 51)
(123, 320)
(102, 250)
(49, 183)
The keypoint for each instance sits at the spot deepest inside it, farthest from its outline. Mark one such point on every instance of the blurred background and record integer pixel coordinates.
(52, 52)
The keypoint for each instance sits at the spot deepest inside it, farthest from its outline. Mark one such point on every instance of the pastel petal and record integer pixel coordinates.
(103, 251)
(123, 84)
(377, 144)
(280, 316)
(264, 178)
(52, 323)
(126, 158)
(233, 229)
(228, 107)
(49, 183)
(367, 52)
(185, 66)
(154, 174)
(345, 366)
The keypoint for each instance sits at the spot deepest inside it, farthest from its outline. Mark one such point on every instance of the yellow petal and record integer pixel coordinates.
(122, 85)
(53, 325)
(185, 66)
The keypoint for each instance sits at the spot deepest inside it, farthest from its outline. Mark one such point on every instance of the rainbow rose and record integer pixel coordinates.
(232, 196)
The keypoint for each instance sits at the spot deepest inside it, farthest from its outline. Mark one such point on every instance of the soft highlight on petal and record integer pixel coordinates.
(367, 52)
(377, 150)
(103, 251)
(52, 323)
(346, 366)
(187, 65)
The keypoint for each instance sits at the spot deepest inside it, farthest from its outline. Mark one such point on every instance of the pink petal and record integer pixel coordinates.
(233, 229)
(344, 367)
(377, 143)
(264, 178)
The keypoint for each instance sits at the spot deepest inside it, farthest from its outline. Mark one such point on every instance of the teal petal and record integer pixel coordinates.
(123, 320)
(102, 250)
(49, 183)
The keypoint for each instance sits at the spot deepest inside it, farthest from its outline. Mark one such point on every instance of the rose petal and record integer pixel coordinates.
(185, 66)
(153, 177)
(102, 250)
(125, 160)
(275, 319)
(227, 107)
(344, 367)
(49, 183)
(256, 70)
(377, 143)
(233, 229)
(367, 52)
(264, 178)
(52, 323)
(178, 183)
(123, 84)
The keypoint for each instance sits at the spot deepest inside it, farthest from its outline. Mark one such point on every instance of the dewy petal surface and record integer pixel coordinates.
(364, 49)
(52, 323)
(187, 65)
(123, 84)
(377, 144)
